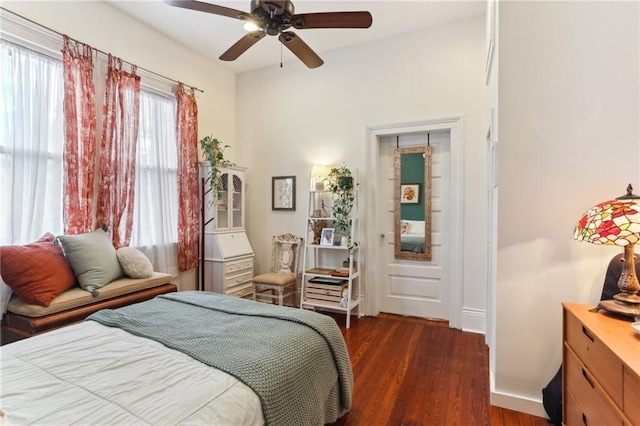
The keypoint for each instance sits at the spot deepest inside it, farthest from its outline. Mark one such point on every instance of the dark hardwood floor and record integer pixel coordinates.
(416, 372)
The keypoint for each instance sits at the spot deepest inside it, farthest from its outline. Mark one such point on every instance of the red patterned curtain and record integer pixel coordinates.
(187, 123)
(80, 137)
(121, 113)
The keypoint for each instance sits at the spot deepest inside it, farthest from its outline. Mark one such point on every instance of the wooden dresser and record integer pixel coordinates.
(601, 369)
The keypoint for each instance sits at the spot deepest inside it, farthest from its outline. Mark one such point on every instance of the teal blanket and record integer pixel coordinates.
(296, 361)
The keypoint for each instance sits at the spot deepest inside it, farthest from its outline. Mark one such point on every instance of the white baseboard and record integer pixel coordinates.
(473, 320)
(518, 403)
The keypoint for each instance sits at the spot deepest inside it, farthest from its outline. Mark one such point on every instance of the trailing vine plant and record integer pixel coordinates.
(342, 189)
(214, 151)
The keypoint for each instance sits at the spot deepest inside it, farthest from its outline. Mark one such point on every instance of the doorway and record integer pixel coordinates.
(415, 287)
(425, 289)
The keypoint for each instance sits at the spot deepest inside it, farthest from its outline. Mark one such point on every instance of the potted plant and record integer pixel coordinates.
(342, 189)
(214, 151)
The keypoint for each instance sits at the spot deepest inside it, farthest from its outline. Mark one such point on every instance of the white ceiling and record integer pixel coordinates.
(211, 35)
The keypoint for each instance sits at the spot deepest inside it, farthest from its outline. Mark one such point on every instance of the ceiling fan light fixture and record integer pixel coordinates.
(251, 27)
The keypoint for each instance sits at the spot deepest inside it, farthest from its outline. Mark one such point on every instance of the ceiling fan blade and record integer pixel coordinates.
(300, 49)
(242, 45)
(209, 8)
(332, 20)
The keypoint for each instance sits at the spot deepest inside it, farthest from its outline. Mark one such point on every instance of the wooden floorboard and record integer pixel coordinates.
(417, 372)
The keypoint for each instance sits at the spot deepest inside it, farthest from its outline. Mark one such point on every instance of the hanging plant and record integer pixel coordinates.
(214, 151)
(342, 189)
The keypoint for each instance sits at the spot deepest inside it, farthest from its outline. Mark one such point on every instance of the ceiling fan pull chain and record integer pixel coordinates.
(280, 55)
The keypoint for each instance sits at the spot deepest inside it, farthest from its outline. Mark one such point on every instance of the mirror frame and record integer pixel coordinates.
(426, 193)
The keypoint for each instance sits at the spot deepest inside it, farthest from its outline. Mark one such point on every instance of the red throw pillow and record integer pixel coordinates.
(36, 272)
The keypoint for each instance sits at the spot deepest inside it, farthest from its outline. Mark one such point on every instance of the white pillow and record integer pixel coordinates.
(416, 226)
(134, 263)
(404, 227)
(5, 295)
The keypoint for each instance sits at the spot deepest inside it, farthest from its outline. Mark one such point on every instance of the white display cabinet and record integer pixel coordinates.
(226, 254)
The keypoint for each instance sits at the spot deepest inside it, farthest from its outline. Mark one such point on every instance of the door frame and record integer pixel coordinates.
(455, 264)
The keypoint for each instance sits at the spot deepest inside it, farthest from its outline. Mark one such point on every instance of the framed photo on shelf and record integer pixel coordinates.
(283, 193)
(410, 193)
(326, 238)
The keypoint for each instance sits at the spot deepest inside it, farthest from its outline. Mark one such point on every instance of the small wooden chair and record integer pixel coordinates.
(280, 283)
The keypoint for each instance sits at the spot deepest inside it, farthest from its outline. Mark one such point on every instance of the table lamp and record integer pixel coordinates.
(319, 173)
(616, 222)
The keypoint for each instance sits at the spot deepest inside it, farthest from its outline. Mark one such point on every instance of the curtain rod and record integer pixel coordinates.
(98, 50)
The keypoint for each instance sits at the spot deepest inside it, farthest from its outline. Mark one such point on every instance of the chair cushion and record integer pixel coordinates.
(274, 278)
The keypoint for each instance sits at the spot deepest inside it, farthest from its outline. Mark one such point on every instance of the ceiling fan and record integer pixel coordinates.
(274, 17)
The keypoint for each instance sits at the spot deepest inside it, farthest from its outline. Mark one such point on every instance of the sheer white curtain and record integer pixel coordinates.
(31, 143)
(155, 213)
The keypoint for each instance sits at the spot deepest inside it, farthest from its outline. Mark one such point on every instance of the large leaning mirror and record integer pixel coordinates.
(412, 203)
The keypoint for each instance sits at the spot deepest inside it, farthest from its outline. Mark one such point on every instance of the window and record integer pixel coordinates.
(31, 167)
(31, 141)
(155, 211)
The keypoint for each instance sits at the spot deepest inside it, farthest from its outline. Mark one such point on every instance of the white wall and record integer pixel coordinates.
(569, 138)
(106, 28)
(289, 118)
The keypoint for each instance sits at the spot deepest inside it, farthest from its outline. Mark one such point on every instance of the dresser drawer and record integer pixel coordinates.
(598, 359)
(593, 407)
(242, 292)
(631, 403)
(234, 280)
(231, 268)
(573, 415)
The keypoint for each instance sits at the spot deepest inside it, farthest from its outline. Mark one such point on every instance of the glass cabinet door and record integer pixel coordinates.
(236, 195)
(222, 203)
(224, 211)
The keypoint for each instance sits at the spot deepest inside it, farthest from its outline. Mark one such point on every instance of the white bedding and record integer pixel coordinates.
(76, 380)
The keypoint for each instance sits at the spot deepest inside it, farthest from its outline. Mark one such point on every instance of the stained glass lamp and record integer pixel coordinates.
(616, 222)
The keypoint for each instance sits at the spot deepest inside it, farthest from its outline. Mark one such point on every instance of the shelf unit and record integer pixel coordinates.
(226, 255)
(319, 288)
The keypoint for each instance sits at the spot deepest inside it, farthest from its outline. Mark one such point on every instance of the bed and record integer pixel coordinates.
(412, 242)
(178, 359)
(412, 234)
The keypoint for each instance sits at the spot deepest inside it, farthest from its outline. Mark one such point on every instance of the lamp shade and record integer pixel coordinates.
(614, 222)
(319, 173)
(320, 170)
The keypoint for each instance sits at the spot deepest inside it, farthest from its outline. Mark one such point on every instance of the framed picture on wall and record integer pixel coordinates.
(283, 193)
(410, 193)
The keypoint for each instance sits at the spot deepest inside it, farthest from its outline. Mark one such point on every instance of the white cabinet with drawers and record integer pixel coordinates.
(228, 256)
(228, 264)
(231, 277)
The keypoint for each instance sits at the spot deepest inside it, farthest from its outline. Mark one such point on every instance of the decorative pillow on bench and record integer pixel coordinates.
(39, 272)
(36, 272)
(134, 263)
(93, 259)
